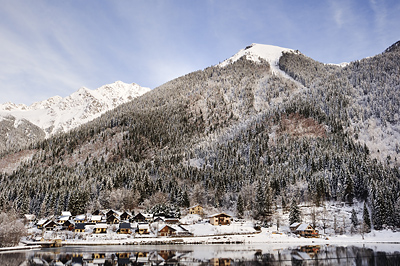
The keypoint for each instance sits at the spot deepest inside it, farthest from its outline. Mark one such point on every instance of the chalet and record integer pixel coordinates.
(111, 212)
(29, 218)
(62, 219)
(124, 228)
(113, 219)
(123, 258)
(293, 227)
(220, 219)
(100, 228)
(181, 231)
(66, 213)
(79, 228)
(125, 216)
(143, 228)
(304, 230)
(139, 218)
(166, 230)
(171, 221)
(79, 219)
(98, 212)
(159, 219)
(69, 225)
(196, 209)
(41, 223)
(50, 225)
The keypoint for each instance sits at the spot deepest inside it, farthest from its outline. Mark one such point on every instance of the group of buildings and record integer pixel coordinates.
(101, 221)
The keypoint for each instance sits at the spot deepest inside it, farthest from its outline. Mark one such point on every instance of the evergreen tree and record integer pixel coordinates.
(294, 215)
(366, 219)
(240, 207)
(353, 218)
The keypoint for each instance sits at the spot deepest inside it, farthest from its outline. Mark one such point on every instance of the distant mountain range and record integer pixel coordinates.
(21, 124)
(264, 128)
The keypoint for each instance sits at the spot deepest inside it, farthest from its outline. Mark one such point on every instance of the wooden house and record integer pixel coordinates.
(304, 230)
(113, 219)
(41, 223)
(166, 230)
(69, 225)
(100, 228)
(111, 212)
(79, 228)
(196, 209)
(139, 218)
(220, 219)
(50, 225)
(124, 228)
(143, 228)
(171, 220)
(79, 219)
(98, 212)
(125, 216)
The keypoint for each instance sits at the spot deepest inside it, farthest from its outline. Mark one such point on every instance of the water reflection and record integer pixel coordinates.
(206, 255)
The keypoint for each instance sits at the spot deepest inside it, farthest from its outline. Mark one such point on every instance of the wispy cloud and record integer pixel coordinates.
(54, 47)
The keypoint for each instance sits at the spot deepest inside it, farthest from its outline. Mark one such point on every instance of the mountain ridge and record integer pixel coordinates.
(213, 135)
(57, 114)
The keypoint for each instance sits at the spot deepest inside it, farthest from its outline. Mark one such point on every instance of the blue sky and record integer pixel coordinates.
(53, 48)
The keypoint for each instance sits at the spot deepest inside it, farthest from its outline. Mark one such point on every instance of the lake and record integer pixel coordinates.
(266, 254)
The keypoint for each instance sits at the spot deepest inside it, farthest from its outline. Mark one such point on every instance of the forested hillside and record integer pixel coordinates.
(240, 138)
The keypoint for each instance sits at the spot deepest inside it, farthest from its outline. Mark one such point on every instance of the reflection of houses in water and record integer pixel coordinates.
(306, 253)
(124, 259)
(163, 256)
(220, 261)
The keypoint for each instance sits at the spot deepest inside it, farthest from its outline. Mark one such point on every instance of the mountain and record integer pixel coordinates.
(23, 124)
(269, 124)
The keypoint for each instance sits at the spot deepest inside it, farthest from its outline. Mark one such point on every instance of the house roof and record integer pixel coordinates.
(220, 214)
(303, 227)
(169, 227)
(96, 218)
(143, 226)
(80, 226)
(30, 217)
(195, 206)
(41, 221)
(80, 217)
(125, 225)
(66, 213)
(101, 226)
(63, 218)
(295, 224)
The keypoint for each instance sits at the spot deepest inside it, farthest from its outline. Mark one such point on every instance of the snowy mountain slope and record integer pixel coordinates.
(58, 114)
(255, 51)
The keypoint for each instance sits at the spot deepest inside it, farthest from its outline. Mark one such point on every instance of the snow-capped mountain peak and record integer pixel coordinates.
(58, 114)
(255, 51)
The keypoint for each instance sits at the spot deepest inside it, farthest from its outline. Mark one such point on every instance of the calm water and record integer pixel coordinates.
(275, 254)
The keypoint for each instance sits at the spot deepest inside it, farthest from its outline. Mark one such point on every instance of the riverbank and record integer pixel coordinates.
(265, 236)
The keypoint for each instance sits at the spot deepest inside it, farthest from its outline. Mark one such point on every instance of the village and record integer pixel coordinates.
(112, 225)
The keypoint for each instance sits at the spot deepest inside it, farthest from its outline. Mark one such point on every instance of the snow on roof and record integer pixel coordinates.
(302, 227)
(41, 221)
(96, 218)
(294, 224)
(220, 214)
(101, 226)
(194, 206)
(30, 216)
(143, 226)
(80, 217)
(66, 213)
